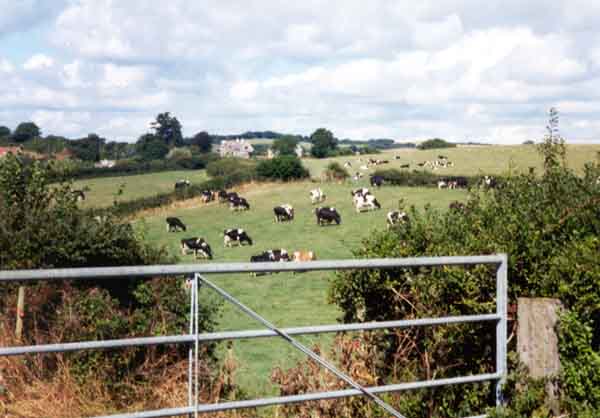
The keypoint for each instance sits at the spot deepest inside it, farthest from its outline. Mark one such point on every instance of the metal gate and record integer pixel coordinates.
(197, 271)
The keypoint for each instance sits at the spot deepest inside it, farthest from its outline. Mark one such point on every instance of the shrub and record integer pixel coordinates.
(285, 167)
(435, 143)
(335, 172)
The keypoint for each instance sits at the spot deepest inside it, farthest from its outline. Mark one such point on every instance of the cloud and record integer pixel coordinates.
(38, 61)
(22, 15)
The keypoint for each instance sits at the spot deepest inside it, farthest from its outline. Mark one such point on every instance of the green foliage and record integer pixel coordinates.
(26, 131)
(88, 148)
(286, 145)
(168, 129)
(151, 147)
(435, 143)
(323, 143)
(548, 225)
(285, 167)
(4, 132)
(233, 170)
(335, 172)
(202, 141)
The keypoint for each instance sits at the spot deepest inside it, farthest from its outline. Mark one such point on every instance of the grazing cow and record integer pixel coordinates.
(238, 203)
(222, 196)
(347, 164)
(396, 157)
(207, 196)
(316, 196)
(367, 202)
(173, 224)
(283, 213)
(441, 184)
(458, 182)
(79, 194)
(489, 182)
(182, 183)
(327, 216)
(198, 246)
(442, 157)
(270, 256)
(237, 235)
(377, 181)
(405, 166)
(421, 164)
(232, 195)
(357, 176)
(363, 191)
(396, 217)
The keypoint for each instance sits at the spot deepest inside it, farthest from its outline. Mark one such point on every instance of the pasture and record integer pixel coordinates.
(285, 299)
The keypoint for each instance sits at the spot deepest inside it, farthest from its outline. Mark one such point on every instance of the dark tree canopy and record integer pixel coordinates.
(202, 140)
(151, 147)
(435, 143)
(4, 131)
(168, 129)
(88, 148)
(286, 145)
(26, 131)
(323, 143)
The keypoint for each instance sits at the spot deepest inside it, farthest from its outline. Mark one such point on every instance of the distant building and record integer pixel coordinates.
(237, 148)
(270, 154)
(105, 164)
(299, 151)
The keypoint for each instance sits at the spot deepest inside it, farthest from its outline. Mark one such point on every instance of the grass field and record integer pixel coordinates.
(285, 299)
(102, 191)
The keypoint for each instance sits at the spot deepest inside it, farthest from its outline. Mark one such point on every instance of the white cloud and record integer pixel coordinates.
(38, 62)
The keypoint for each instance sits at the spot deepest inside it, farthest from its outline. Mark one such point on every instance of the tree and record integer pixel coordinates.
(553, 147)
(88, 148)
(168, 129)
(4, 132)
(26, 131)
(202, 140)
(285, 167)
(151, 147)
(286, 145)
(435, 143)
(323, 143)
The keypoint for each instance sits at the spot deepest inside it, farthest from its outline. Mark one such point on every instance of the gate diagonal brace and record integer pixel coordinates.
(302, 348)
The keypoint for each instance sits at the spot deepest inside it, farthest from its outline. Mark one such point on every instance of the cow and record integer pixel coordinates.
(207, 196)
(441, 184)
(396, 157)
(237, 235)
(78, 194)
(357, 176)
(377, 181)
(316, 196)
(173, 224)
(198, 246)
(302, 256)
(421, 164)
(222, 196)
(238, 203)
(489, 182)
(363, 191)
(442, 157)
(283, 213)
(347, 164)
(182, 183)
(405, 166)
(327, 216)
(458, 182)
(270, 256)
(367, 202)
(396, 217)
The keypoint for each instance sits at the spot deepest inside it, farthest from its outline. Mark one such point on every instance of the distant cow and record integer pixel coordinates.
(396, 217)
(270, 256)
(222, 196)
(347, 164)
(182, 183)
(196, 245)
(489, 182)
(396, 157)
(377, 181)
(207, 196)
(237, 236)
(357, 176)
(441, 184)
(238, 203)
(442, 157)
(79, 194)
(283, 213)
(367, 202)
(316, 196)
(301, 256)
(327, 216)
(405, 166)
(173, 224)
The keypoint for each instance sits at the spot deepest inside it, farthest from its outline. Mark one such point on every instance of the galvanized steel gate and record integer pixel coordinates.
(197, 271)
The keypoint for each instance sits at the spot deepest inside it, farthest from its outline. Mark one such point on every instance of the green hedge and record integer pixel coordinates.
(420, 178)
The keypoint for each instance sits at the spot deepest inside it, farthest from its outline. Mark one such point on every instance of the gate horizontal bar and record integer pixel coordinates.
(223, 268)
(238, 335)
(281, 400)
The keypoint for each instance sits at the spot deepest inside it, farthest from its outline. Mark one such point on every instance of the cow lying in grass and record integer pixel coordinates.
(270, 256)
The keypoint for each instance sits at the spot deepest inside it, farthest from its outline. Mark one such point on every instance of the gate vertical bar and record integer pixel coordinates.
(196, 344)
(191, 347)
(501, 326)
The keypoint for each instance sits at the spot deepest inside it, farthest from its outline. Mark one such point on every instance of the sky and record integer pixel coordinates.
(407, 70)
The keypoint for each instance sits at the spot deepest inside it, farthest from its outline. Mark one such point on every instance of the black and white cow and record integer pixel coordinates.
(198, 246)
(207, 196)
(366, 202)
(489, 182)
(270, 256)
(182, 184)
(237, 236)
(377, 181)
(173, 224)
(223, 196)
(327, 216)
(283, 213)
(316, 196)
(238, 203)
(79, 194)
(363, 191)
(396, 217)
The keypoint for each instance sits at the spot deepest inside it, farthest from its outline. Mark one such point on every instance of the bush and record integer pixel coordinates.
(285, 167)
(435, 143)
(335, 172)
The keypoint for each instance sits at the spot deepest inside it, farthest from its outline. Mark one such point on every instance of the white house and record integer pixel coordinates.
(238, 148)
